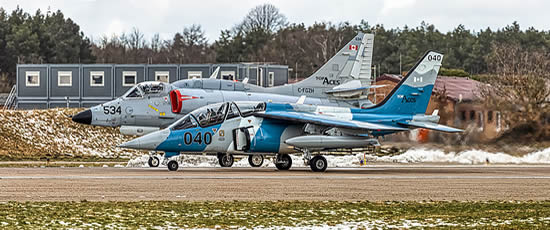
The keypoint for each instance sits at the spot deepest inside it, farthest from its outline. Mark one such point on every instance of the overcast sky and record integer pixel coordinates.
(98, 17)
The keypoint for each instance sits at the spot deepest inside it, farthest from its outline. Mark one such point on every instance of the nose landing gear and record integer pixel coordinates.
(153, 161)
(173, 165)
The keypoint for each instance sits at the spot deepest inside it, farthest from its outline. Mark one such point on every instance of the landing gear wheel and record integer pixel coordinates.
(256, 160)
(153, 162)
(173, 165)
(226, 160)
(318, 163)
(283, 162)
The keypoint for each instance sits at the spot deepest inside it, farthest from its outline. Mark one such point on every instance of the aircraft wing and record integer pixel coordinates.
(324, 120)
(431, 125)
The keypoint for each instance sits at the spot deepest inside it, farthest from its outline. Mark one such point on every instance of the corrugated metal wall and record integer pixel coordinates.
(49, 85)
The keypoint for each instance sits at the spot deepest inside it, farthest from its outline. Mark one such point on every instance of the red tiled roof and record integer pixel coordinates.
(390, 77)
(458, 88)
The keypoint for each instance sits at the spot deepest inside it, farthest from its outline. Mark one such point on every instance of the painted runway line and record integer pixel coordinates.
(262, 177)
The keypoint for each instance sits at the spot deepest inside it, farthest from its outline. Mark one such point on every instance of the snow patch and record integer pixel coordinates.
(466, 157)
(343, 161)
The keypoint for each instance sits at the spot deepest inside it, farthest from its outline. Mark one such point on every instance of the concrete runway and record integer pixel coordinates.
(375, 183)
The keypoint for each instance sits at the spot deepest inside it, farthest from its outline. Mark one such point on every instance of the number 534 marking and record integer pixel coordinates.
(112, 109)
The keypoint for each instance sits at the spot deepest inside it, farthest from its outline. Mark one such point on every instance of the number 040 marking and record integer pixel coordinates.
(434, 57)
(188, 138)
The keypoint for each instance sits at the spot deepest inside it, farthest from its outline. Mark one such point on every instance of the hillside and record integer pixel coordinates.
(40, 134)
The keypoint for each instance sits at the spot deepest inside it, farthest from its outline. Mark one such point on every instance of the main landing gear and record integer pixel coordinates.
(283, 162)
(317, 163)
(255, 160)
(225, 160)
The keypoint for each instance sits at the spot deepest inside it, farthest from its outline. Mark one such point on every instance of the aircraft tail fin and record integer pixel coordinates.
(351, 62)
(412, 94)
(214, 74)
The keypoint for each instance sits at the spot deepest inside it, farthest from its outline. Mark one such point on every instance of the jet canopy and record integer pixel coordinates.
(217, 113)
(146, 88)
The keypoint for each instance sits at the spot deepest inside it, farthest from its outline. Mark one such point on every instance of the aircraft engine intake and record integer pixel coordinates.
(176, 101)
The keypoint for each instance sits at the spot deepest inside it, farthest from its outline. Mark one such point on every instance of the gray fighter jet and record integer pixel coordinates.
(150, 106)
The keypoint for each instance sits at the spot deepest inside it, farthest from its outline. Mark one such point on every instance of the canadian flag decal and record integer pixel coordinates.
(187, 97)
(353, 47)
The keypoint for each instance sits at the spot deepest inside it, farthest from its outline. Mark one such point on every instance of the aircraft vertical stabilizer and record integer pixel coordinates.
(361, 69)
(412, 94)
(351, 62)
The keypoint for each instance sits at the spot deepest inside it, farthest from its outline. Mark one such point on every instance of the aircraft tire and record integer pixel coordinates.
(173, 165)
(318, 163)
(256, 160)
(226, 160)
(153, 162)
(286, 162)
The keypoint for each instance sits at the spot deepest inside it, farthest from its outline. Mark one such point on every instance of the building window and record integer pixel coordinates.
(129, 78)
(472, 115)
(194, 74)
(65, 78)
(97, 78)
(498, 118)
(228, 75)
(32, 78)
(480, 120)
(162, 76)
(490, 116)
(463, 115)
(271, 79)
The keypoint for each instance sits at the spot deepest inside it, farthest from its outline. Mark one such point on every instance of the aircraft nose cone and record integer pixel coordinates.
(133, 144)
(84, 117)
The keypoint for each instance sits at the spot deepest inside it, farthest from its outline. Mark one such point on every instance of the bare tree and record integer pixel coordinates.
(519, 84)
(266, 18)
(135, 39)
(156, 43)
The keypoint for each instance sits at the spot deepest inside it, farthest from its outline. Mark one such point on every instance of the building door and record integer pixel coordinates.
(260, 77)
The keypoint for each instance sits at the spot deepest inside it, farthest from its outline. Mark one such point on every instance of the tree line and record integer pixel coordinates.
(264, 35)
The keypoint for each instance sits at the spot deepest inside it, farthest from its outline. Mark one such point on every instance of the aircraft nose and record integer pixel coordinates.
(150, 141)
(133, 144)
(84, 117)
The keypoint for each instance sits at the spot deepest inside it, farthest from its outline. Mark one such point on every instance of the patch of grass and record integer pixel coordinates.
(250, 214)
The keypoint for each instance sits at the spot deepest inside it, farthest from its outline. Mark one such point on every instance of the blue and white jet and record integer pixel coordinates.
(263, 128)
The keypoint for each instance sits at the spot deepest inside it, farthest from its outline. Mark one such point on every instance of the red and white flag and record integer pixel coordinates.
(352, 47)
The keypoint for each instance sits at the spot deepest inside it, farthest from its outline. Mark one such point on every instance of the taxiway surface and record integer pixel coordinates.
(376, 183)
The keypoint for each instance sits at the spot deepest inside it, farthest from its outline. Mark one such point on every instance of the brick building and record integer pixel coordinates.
(458, 101)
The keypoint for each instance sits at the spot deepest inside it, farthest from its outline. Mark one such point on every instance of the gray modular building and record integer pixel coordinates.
(49, 85)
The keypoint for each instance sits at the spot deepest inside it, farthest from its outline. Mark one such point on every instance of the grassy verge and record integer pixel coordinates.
(219, 214)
